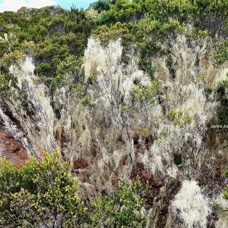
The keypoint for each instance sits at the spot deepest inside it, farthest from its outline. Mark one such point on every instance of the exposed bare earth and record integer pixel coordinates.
(12, 149)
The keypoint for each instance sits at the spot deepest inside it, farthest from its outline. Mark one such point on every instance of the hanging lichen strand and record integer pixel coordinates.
(171, 113)
(186, 108)
(30, 106)
(126, 120)
(191, 205)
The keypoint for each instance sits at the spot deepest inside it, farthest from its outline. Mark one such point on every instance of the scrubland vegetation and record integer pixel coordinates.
(127, 92)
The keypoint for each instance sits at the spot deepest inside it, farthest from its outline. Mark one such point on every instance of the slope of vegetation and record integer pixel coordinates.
(45, 194)
(122, 89)
(56, 38)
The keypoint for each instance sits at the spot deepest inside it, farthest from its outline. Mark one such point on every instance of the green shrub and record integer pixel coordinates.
(177, 118)
(42, 69)
(221, 55)
(121, 208)
(39, 194)
(148, 94)
(44, 194)
(223, 110)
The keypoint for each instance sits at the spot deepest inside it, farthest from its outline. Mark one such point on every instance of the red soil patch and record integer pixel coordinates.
(80, 164)
(12, 149)
(145, 176)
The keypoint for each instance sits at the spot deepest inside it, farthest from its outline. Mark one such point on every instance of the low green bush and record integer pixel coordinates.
(44, 194)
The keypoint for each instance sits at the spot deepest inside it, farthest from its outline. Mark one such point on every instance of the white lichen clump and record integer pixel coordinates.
(191, 206)
(40, 126)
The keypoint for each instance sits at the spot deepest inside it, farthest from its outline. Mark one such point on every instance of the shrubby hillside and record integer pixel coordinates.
(133, 95)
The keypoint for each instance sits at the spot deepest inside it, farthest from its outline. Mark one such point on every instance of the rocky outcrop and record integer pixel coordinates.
(12, 149)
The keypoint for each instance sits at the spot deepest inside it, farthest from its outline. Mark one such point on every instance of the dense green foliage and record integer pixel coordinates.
(121, 208)
(223, 111)
(39, 193)
(51, 34)
(45, 193)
